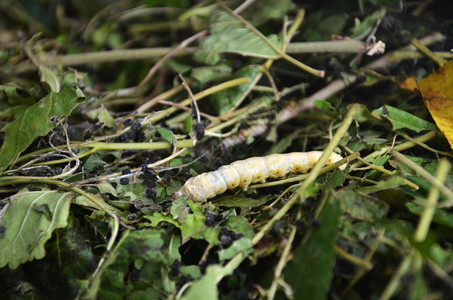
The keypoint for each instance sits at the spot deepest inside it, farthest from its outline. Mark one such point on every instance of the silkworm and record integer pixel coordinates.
(242, 173)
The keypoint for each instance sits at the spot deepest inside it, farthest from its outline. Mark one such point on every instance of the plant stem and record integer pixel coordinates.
(98, 146)
(345, 46)
(109, 56)
(400, 147)
(438, 185)
(198, 96)
(388, 172)
(388, 61)
(282, 263)
(431, 202)
(423, 49)
(357, 261)
(395, 280)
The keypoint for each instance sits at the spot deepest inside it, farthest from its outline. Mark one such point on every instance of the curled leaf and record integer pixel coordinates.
(437, 93)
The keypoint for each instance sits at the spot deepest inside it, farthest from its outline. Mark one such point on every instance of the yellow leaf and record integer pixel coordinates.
(437, 93)
(409, 84)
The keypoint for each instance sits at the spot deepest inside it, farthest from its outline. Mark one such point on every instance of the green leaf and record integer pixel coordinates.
(206, 287)
(228, 35)
(132, 191)
(192, 225)
(102, 115)
(310, 271)
(106, 187)
(323, 105)
(320, 25)
(377, 161)
(211, 73)
(283, 143)
(173, 247)
(166, 134)
(49, 77)
(93, 161)
(145, 249)
(262, 11)
(157, 218)
(16, 95)
(401, 119)
(35, 121)
(224, 100)
(363, 114)
(359, 206)
(195, 226)
(238, 224)
(236, 201)
(241, 245)
(192, 271)
(175, 162)
(334, 180)
(364, 28)
(441, 216)
(385, 184)
(30, 220)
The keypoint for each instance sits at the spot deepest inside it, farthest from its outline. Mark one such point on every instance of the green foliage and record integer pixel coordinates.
(320, 25)
(265, 10)
(102, 115)
(29, 221)
(243, 245)
(146, 251)
(402, 119)
(361, 207)
(94, 161)
(211, 73)
(49, 77)
(35, 121)
(192, 224)
(206, 287)
(310, 271)
(226, 99)
(228, 34)
(363, 28)
(166, 134)
(232, 201)
(239, 225)
(16, 95)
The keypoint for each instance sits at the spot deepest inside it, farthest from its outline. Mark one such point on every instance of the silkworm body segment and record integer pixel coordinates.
(242, 173)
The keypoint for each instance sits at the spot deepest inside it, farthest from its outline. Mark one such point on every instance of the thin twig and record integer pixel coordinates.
(152, 71)
(282, 263)
(423, 49)
(442, 188)
(431, 202)
(192, 98)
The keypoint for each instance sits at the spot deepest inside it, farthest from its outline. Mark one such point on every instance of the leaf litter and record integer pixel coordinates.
(99, 133)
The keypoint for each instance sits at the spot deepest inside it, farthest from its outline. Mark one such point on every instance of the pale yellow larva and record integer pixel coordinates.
(242, 173)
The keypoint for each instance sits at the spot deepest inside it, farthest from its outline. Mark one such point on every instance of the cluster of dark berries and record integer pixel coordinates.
(136, 134)
(227, 237)
(149, 175)
(125, 180)
(212, 218)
